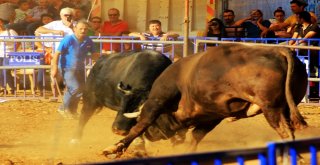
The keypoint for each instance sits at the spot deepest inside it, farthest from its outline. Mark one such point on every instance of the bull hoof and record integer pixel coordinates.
(117, 149)
(119, 132)
(231, 119)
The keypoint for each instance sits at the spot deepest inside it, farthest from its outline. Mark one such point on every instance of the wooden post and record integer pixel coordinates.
(186, 29)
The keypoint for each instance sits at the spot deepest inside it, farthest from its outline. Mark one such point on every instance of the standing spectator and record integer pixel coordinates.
(216, 28)
(254, 24)
(155, 32)
(55, 7)
(297, 6)
(114, 27)
(4, 49)
(70, 58)
(232, 29)
(279, 16)
(59, 27)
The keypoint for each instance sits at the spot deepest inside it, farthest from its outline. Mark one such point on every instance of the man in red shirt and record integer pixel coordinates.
(114, 27)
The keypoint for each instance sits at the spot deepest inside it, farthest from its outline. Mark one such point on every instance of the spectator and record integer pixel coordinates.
(31, 20)
(5, 75)
(297, 6)
(216, 28)
(70, 57)
(254, 24)
(114, 27)
(84, 5)
(23, 12)
(55, 7)
(7, 11)
(155, 31)
(36, 13)
(22, 17)
(78, 14)
(59, 27)
(47, 51)
(95, 26)
(45, 19)
(279, 16)
(232, 29)
(305, 30)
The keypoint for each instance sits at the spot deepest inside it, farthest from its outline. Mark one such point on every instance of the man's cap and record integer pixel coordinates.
(300, 2)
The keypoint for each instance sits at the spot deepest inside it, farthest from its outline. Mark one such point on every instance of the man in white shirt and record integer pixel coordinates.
(58, 28)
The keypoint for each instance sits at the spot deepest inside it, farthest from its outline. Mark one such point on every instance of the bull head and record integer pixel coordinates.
(125, 89)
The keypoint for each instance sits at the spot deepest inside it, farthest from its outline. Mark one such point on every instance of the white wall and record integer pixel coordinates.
(170, 12)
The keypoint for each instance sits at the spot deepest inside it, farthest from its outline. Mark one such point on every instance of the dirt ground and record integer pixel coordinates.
(33, 133)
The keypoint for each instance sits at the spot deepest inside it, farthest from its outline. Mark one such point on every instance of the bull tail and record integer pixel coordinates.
(296, 118)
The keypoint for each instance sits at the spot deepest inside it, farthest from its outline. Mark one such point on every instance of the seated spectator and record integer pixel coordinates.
(55, 7)
(45, 19)
(95, 26)
(232, 29)
(22, 17)
(297, 6)
(216, 28)
(305, 30)
(279, 16)
(5, 47)
(254, 24)
(155, 33)
(114, 27)
(36, 14)
(7, 11)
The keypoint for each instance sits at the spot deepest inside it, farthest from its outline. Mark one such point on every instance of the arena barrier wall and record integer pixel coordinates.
(24, 75)
(302, 151)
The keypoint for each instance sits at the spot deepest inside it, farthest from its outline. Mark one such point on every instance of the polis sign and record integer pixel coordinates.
(25, 58)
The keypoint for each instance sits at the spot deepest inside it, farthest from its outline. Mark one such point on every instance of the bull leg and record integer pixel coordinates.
(86, 113)
(199, 132)
(277, 121)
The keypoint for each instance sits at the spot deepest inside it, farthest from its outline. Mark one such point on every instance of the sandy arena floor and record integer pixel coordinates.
(33, 133)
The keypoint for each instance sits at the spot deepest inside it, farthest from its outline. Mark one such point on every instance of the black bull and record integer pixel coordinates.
(105, 86)
(199, 91)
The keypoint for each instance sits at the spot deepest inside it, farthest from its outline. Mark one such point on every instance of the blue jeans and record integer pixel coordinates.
(74, 80)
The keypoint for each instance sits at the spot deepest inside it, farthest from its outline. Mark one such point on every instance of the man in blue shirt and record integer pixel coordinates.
(70, 58)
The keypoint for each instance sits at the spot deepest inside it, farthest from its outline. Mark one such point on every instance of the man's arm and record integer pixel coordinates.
(43, 30)
(137, 34)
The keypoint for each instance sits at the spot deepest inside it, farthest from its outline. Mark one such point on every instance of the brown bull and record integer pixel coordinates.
(222, 82)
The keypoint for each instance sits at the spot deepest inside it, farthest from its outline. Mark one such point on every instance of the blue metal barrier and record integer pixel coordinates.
(265, 156)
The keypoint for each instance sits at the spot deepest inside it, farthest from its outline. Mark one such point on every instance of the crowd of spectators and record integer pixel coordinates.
(58, 17)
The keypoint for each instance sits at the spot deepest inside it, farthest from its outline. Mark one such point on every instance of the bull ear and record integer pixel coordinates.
(125, 89)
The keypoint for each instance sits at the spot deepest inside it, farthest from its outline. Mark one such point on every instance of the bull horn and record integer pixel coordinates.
(126, 90)
(133, 114)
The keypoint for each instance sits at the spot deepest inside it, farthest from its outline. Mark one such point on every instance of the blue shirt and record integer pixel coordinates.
(74, 53)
